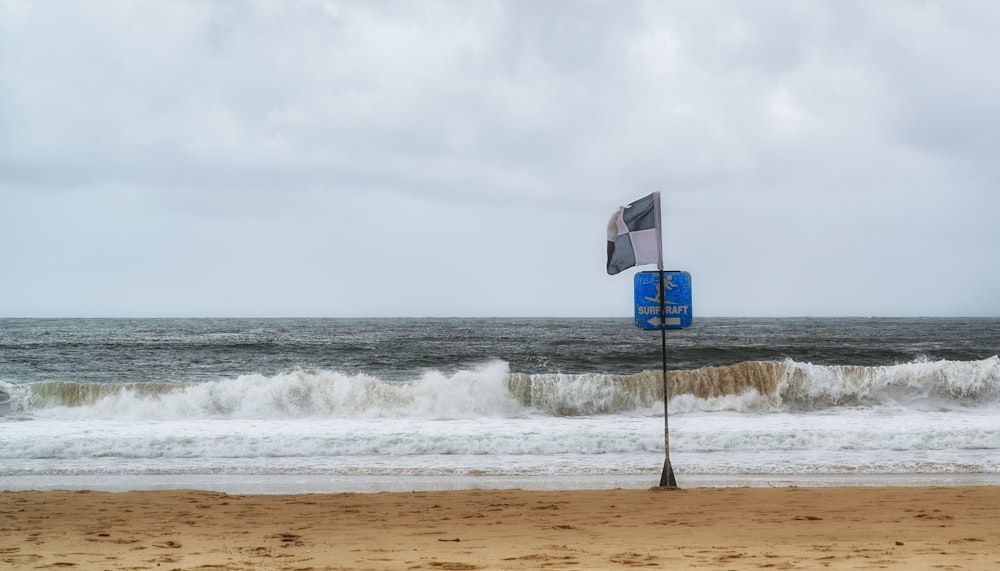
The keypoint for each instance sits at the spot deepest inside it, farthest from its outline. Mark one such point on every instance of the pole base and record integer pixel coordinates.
(667, 479)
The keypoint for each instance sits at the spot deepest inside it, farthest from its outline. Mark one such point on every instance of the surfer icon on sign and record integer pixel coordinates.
(668, 282)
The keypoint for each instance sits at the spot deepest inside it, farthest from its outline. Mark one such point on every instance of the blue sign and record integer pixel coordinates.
(676, 308)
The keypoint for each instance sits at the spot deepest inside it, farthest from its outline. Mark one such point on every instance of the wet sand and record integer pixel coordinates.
(708, 528)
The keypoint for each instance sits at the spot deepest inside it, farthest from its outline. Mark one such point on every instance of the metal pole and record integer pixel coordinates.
(667, 479)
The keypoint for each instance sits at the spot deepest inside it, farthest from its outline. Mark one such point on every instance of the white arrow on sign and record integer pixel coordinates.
(655, 322)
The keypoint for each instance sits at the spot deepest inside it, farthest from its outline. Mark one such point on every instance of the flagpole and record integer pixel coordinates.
(667, 479)
(623, 253)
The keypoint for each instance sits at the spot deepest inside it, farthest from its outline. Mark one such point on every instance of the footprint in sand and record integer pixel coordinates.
(288, 539)
(453, 566)
(635, 559)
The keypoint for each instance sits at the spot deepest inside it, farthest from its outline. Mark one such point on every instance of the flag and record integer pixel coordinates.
(635, 235)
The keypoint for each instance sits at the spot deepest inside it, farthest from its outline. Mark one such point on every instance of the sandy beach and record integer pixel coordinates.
(723, 528)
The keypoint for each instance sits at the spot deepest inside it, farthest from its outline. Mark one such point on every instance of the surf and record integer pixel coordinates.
(491, 390)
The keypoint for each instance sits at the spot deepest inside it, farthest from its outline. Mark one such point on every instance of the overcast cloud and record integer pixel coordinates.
(456, 158)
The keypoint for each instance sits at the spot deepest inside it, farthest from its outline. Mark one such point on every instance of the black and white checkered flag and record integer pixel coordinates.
(635, 236)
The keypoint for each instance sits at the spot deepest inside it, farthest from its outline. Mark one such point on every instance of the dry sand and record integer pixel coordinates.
(726, 528)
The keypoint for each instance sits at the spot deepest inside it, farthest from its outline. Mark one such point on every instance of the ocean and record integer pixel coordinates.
(320, 405)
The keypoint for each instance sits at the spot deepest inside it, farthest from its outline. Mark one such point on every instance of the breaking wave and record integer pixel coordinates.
(493, 391)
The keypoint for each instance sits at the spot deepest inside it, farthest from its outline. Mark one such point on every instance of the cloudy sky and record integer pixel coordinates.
(325, 158)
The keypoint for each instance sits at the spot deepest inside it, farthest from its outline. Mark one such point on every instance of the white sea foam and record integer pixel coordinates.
(848, 440)
(492, 391)
(465, 394)
(959, 382)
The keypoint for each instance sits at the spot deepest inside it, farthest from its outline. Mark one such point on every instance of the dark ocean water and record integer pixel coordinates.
(188, 350)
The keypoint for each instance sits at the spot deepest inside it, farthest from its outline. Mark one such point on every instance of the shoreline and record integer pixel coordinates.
(895, 527)
(283, 484)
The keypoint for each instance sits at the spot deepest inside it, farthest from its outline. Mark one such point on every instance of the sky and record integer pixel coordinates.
(196, 158)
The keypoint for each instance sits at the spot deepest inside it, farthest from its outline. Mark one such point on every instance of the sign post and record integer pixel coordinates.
(663, 301)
